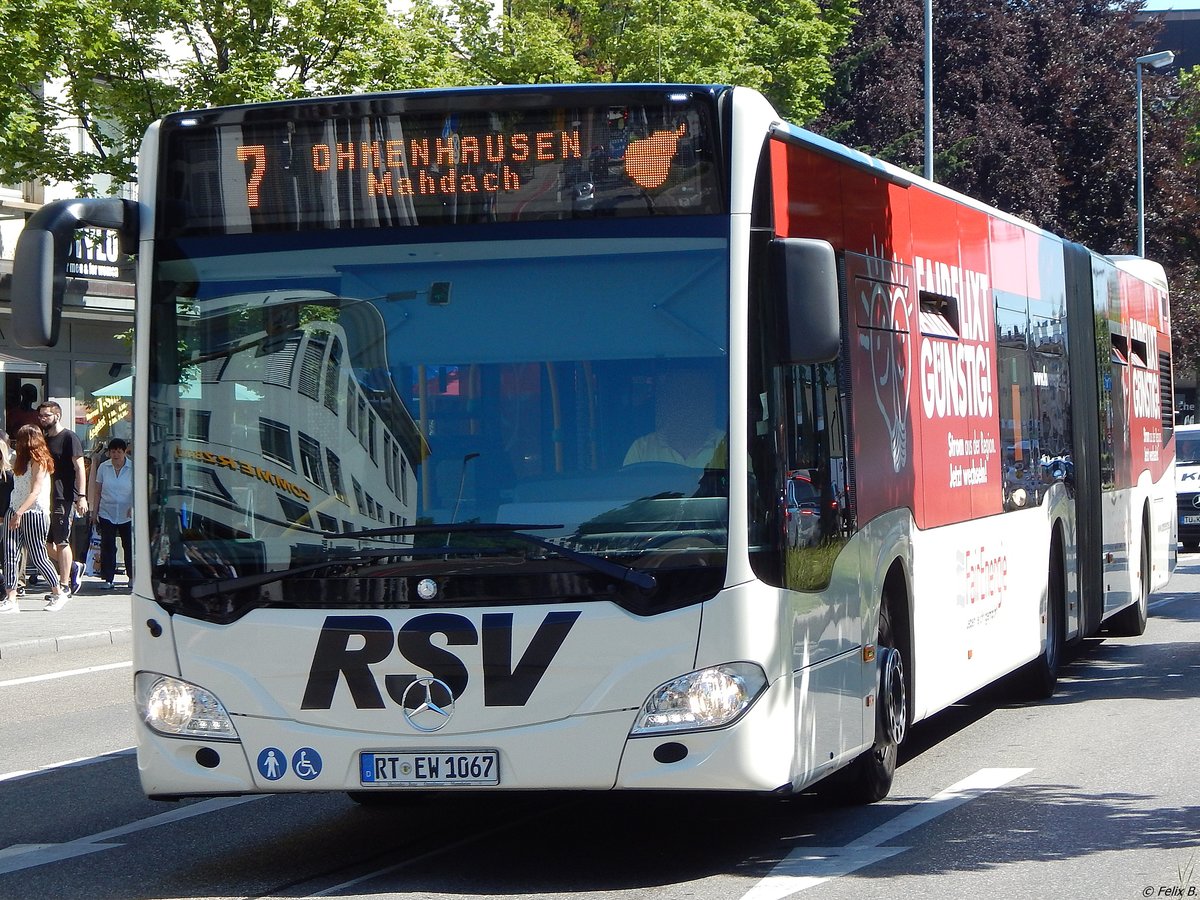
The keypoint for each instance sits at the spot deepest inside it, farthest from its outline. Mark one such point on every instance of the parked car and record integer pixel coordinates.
(801, 512)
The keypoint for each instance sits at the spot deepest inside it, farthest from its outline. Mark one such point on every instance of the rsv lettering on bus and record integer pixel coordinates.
(348, 646)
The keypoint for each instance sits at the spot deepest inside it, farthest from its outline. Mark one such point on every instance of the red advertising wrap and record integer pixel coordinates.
(956, 343)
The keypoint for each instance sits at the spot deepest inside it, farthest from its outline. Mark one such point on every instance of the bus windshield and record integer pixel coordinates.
(1187, 447)
(314, 400)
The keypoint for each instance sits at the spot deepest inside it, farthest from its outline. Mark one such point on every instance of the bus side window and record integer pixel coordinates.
(800, 468)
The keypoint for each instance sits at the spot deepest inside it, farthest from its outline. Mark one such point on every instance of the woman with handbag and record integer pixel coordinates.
(28, 518)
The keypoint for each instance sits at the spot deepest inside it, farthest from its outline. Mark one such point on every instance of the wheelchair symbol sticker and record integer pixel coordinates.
(272, 764)
(306, 763)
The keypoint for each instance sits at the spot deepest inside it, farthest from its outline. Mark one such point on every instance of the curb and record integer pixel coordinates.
(37, 646)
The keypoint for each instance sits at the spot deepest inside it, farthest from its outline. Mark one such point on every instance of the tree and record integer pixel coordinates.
(99, 63)
(1034, 113)
(116, 65)
(780, 47)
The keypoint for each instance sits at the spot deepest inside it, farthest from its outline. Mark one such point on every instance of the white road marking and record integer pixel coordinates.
(13, 682)
(806, 867)
(27, 856)
(66, 764)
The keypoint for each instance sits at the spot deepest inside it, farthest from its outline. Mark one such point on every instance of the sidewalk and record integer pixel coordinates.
(94, 617)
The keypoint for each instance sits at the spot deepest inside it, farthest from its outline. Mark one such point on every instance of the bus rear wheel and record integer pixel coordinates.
(1041, 675)
(872, 773)
(1131, 621)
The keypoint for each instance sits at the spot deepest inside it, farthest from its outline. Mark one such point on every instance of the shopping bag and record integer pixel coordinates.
(92, 564)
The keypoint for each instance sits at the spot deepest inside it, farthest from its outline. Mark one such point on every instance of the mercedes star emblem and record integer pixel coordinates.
(436, 704)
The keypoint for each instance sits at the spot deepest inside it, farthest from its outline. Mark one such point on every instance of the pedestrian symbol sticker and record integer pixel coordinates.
(272, 764)
(306, 762)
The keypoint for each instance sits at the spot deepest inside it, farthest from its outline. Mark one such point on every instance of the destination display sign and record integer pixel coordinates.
(493, 157)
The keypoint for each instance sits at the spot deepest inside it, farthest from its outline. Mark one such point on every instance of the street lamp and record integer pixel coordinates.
(1155, 61)
(929, 91)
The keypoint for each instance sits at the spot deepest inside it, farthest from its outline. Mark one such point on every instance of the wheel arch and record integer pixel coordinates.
(896, 591)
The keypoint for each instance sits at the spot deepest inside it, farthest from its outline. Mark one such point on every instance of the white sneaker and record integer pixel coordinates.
(57, 602)
(9, 606)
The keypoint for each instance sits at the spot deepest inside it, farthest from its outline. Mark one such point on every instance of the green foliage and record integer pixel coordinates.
(780, 47)
(99, 54)
(109, 68)
(811, 568)
(121, 64)
(1034, 112)
(1189, 111)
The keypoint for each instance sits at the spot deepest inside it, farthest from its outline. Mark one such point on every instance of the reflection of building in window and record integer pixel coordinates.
(335, 475)
(201, 480)
(333, 366)
(293, 511)
(276, 441)
(358, 496)
(296, 372)
(310, 460)
(308, 382)
(197, 424)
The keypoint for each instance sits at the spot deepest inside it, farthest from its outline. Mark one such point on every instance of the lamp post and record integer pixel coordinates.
(1155, 61)
(929, 89)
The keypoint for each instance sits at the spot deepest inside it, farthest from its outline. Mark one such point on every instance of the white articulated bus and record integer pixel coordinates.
(603, 437)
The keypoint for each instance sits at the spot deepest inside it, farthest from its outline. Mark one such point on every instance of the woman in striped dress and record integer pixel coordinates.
(29, 516)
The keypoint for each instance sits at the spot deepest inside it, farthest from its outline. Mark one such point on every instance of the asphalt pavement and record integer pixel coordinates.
(94, 617)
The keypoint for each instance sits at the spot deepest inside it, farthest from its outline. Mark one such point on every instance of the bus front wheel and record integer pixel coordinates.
(872, 773)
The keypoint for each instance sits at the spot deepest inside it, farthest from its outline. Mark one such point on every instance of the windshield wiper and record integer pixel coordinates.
(596, 563)
(620, 573)
(212, 588)
(472, 527)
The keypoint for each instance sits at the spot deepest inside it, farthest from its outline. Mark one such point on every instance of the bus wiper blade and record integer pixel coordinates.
(212, 588)
(643, 580)
(622, 574)
(465, 527)
(597, 563)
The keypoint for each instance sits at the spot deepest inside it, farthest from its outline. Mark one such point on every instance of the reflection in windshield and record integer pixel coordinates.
(1187, 449)
(384, 388)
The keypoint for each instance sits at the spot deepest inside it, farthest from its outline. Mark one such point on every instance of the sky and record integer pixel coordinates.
(1156, 5)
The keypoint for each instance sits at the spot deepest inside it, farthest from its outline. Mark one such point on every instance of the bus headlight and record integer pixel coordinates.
(708, 698)
(178, 708)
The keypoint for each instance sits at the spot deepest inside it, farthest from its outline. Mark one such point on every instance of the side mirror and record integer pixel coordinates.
(804, 275)
(40, 261)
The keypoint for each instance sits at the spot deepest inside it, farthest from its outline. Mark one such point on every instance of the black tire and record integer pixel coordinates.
(870, 776)
(1131, 621)
(1040, 677)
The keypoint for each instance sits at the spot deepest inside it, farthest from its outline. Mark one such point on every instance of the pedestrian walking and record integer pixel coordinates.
(69, 494)
(6, 489)
(28, 518)
(110, 496)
